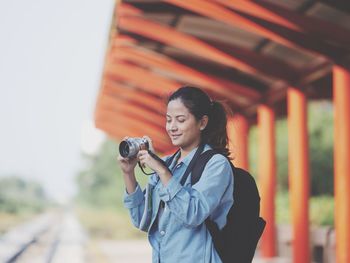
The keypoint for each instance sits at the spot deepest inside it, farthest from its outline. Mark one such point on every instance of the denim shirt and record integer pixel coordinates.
(178, 233)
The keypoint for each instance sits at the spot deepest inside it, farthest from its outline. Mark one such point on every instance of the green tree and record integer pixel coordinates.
(320, 129)
(19, 195)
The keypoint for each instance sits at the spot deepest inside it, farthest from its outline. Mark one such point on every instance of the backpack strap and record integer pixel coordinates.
(189, 168)
(200, 165)
(192, 163)
(171, 158)
(195, 177)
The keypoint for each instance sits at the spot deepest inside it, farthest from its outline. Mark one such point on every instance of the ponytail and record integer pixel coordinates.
(199, 104)
(215, 134)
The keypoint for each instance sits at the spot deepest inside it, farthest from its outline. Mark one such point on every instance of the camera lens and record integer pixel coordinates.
(124, 149)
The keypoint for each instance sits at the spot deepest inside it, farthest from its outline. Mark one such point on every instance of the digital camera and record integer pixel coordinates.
(131, 146)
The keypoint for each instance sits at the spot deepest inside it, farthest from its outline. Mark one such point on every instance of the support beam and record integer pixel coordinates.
(132, 95)
(140, 126)
(267, 177)
(298, 174)
(145, 79)
(174, 38)
(341, 5)
(238, 132)
(264, 28)
(131, 110)
(171, 37)
(341, 98)
(186, 74)
(118, 134)
(291, 20)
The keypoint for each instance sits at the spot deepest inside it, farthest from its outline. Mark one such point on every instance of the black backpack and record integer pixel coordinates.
(237, 241)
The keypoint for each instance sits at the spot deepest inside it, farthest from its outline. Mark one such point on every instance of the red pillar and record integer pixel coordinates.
(298, 173)
(267, 177)
(238, 129)
(341, 97)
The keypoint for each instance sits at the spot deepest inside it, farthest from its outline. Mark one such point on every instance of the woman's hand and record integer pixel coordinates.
(146, 159)
(127, 164)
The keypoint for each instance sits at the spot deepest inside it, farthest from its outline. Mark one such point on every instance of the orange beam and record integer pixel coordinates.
(251, 64)
(141, 127)
(315, 28)
(145, 79)
(118, 134)
(237, 130)
(120, 120)
(125, 108)
(292, 38)
(291, 19)
(220, 13)
(255, 9)
(187, 74)
(123, 92)
(267, 177)
(126, 131)
(298, 173)
(341, 98)
(180, 40)
(171, 37)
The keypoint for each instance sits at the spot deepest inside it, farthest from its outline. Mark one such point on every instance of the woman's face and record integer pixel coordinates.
(182, 127)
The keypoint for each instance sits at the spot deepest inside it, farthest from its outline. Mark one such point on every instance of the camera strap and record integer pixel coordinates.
(158, 159)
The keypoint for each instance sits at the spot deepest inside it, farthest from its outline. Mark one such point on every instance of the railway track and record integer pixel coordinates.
(49, 238)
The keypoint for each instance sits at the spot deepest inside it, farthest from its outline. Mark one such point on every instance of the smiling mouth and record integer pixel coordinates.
(174, 137)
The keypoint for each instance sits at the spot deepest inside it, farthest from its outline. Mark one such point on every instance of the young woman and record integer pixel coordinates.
(177, 231)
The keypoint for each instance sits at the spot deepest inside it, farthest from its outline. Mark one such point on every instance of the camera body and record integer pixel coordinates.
(131, 146)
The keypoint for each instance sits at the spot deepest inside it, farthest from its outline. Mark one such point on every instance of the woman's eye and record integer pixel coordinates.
(181, 120)
(168, 120)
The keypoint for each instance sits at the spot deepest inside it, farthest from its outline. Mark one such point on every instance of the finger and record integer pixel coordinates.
(121, 158)
(149, 142)
(142, 158)
(143, 152)
(142, 163)
(131, 159)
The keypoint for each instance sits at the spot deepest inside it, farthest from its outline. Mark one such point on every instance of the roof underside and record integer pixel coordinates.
(243, 52)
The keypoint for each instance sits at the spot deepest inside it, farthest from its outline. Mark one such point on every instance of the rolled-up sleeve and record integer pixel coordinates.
(193, 205)
(135, 202)
(169, 192)
(134, 199)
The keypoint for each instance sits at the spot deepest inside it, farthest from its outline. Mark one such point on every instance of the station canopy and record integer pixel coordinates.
(245, 53)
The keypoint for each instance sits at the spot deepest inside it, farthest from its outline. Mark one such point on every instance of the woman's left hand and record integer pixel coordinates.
(146, 159)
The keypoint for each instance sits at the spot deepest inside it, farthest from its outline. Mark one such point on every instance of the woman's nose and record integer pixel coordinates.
(173, 126)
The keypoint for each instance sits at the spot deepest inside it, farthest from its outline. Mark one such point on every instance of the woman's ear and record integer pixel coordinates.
(203, 122)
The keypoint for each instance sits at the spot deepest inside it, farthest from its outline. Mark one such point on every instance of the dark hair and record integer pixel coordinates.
(200, 104)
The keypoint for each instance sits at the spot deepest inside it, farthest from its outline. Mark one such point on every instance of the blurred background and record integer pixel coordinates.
(60, 186)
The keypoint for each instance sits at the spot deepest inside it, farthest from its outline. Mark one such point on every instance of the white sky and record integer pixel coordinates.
(51, 59)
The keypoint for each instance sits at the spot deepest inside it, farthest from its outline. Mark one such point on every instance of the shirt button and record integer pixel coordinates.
(162, 232)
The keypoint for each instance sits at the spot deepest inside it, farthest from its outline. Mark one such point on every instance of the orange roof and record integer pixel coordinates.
(244, 52)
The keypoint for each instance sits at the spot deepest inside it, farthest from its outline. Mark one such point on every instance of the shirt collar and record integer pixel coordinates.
(186, 161)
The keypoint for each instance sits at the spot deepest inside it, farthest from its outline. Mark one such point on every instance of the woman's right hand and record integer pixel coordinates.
(127, 164)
